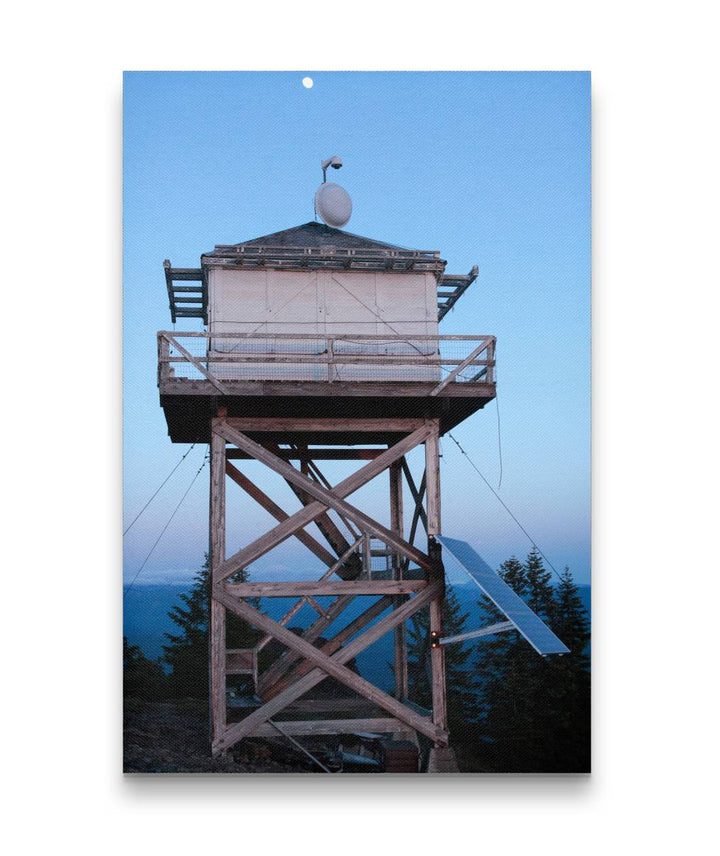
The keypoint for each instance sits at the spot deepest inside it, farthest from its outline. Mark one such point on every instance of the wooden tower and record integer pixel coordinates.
(323, 345)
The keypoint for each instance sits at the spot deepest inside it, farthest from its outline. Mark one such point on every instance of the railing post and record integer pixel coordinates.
(330, 358)
(163, 357)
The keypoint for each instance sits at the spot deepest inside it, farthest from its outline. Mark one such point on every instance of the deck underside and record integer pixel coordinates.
(189, 405)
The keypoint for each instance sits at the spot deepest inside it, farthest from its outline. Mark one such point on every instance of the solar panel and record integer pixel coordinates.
(537, 633)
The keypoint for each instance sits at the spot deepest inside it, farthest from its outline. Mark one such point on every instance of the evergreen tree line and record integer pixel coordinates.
(187, 652)
(509, 709)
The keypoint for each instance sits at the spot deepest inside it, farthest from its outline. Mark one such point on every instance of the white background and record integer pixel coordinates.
(655, 591)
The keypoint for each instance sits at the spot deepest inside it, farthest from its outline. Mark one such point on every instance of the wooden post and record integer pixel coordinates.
(437, 574)
(396, 524)
(432, 479)
(217, 610)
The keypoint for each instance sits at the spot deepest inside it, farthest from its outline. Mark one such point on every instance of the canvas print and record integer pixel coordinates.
(357, 422)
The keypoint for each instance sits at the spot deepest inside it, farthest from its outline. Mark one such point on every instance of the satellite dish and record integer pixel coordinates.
(333, 204)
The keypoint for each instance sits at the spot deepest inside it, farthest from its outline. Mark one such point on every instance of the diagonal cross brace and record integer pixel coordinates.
(198, 365)
(272, 508)
(328, 666)
(324, 499)
(329, 647)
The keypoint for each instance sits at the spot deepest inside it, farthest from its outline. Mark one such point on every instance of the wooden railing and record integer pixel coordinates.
(228, 356)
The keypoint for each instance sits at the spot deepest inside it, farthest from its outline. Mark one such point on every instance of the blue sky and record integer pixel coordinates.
(489, 168)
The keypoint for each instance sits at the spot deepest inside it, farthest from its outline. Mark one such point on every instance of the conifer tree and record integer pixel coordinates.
(506, 670)
(539, 594)
(570, 678)
(535, 711)
(187, 652)
(142, 678)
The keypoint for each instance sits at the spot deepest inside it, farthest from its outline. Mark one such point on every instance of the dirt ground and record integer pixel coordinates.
(172, 737)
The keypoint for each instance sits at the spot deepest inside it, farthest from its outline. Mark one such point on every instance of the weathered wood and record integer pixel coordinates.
(316, 473)
(284, 662)
(437, 575)
(324, 523)
(375, 725)
(290, 424)
(314, 604)
(352, 337)
(432, 475)
(437, 651)
(264, 500)
(397, 525)
(480, 391)
(289, 615)
(325, 663)
(331, 646)
(323, 589)
(324, 497)
(240, 661)
(418, 495)
(463, 364)
(437, 665)
(217, 610)
(243, 729)
(199, 366)
(301, 518)
(354, 704)
(324, 454)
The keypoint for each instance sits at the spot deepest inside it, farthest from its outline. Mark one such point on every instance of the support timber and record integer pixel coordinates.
(310, 658)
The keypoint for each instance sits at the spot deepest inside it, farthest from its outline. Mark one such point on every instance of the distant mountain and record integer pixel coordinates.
(146, 620)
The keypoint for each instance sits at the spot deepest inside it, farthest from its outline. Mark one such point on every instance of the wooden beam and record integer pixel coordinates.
(198, 365)
(376, 725)
(323, 589)
(331, 646)
(456, 371)
(325, 663)
(437, 575)
(437, 651)
(246, 727)
(397, 525)
(324, 499)
(264, 500)
(288, 424)
(306, 515)
(432, 475)
(418, 495)
(324, 523)
(316, 473)
(319, 454)
(285, 661)
(350, 704)
(218, 655)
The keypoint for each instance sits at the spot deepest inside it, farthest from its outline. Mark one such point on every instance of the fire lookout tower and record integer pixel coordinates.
(321, 345)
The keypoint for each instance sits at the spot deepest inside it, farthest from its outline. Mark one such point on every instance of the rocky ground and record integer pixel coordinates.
(172, 737)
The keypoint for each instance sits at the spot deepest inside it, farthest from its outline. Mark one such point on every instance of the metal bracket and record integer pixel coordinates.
(502, 627)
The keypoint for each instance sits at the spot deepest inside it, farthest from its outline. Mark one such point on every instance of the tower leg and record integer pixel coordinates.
(437, 654)
(396, 524)
(218, 640)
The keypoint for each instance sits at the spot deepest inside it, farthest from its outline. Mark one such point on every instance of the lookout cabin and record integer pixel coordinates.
(318, 322)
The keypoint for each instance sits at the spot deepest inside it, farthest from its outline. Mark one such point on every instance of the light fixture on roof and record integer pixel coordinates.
(332, 202)
(335, 162)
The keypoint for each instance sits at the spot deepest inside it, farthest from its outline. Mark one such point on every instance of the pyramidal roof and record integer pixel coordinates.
(315, 245)
(315, 235)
